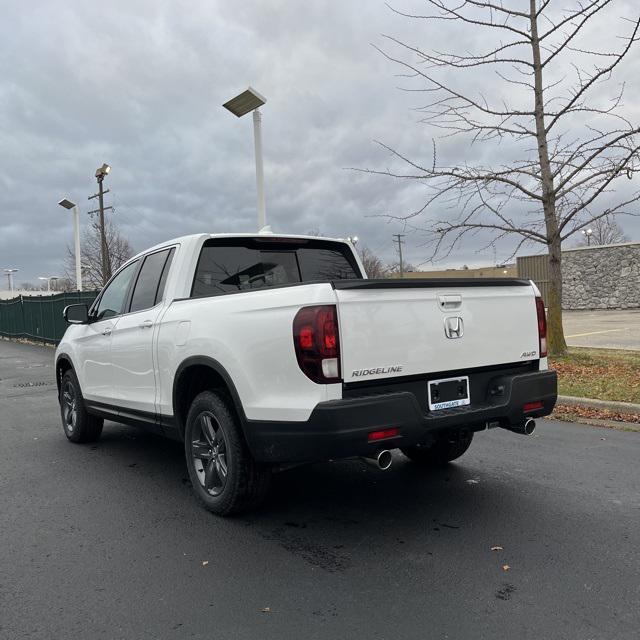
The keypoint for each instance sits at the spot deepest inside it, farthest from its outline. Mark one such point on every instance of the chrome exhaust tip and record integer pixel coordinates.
(525, 428)
(382, 460)
(529, 426)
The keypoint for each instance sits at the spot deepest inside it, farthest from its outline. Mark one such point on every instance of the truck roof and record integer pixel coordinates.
(194, 236)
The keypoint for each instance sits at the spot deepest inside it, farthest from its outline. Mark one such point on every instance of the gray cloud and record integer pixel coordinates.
(139, 84)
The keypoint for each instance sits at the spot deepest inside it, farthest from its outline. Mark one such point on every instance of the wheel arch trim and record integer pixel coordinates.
(63, 357)
(219, 369)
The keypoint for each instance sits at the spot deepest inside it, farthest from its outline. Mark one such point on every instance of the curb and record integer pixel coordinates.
(620, 407)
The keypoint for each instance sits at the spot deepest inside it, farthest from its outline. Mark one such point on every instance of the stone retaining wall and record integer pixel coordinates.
(604, 277)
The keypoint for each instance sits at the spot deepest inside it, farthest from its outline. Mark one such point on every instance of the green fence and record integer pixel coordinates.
(39, 317)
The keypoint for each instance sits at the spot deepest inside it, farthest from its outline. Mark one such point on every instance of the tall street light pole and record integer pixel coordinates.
(257, 143)
(242, 104)
(101, 173)
(48, 279)
(9, 273)
(67, 204)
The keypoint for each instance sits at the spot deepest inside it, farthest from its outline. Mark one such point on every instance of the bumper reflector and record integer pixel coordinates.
(374, 436)
(532, 406)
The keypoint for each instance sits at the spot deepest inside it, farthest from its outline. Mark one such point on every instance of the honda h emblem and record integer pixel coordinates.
(453, 327)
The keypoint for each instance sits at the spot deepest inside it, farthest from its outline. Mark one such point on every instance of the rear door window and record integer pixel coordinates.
(237, 264)
(147, 285)
(163, 277)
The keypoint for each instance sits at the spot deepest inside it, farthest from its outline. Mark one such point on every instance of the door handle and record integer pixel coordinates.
(107, 331)
(147, 324)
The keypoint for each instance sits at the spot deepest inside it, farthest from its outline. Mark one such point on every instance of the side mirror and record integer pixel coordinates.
(76, 314)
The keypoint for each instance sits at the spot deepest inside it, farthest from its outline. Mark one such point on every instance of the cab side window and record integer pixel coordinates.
(114, 297)
(163, 277)
(151, 280)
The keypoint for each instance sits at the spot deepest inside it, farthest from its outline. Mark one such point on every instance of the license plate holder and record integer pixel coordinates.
(448, 393)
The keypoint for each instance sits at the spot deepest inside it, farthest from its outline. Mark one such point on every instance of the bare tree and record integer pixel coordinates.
(117, 245)
(557, 141)
(65, 284)
(393, 269)
(373, 266)
(603, 231)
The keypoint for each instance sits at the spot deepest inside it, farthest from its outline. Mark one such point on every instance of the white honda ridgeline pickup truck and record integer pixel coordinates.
(263, 351)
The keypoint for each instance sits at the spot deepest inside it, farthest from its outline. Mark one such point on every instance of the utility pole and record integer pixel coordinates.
(398, 238)
(101, 174)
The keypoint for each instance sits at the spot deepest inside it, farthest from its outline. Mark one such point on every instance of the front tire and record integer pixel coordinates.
(78, 425)
(224, 475)
(444, 449)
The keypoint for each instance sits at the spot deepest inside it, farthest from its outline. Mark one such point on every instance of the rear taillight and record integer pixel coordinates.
(542, 327)
(317, 343)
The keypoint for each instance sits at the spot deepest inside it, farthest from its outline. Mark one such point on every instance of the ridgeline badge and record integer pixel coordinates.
(396, 368)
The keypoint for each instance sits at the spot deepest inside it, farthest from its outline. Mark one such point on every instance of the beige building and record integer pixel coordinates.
(500, 271)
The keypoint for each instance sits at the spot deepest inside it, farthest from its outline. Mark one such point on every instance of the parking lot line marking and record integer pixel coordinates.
(593, 333)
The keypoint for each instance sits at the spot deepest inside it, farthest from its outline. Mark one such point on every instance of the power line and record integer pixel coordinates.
(98, 210)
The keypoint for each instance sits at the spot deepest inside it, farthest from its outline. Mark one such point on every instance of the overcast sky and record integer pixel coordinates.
(139, 85)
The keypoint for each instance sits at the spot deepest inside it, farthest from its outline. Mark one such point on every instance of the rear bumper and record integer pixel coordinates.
(340, 428)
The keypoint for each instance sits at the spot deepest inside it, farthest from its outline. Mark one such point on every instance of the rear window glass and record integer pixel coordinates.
(233, 264)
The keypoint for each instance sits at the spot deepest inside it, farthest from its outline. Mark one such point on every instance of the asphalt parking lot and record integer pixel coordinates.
(615, 329)
(106, 540)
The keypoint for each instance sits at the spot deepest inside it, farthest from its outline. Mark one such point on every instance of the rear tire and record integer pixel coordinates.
(446, 448)
(78, 425)
(225, 477)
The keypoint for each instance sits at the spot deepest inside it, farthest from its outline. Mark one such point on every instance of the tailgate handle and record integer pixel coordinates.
(448, 303)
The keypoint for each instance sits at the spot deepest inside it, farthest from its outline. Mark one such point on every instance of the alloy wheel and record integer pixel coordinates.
(69, 407)
(209, 452)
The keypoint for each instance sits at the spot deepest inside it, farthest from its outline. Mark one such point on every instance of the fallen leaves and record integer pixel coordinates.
(570, 412)
(205, 563)
(497, 547)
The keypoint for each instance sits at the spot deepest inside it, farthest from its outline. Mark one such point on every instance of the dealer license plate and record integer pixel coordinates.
(448, 393)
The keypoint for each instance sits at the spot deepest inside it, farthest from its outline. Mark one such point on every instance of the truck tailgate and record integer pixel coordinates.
(398, 328)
